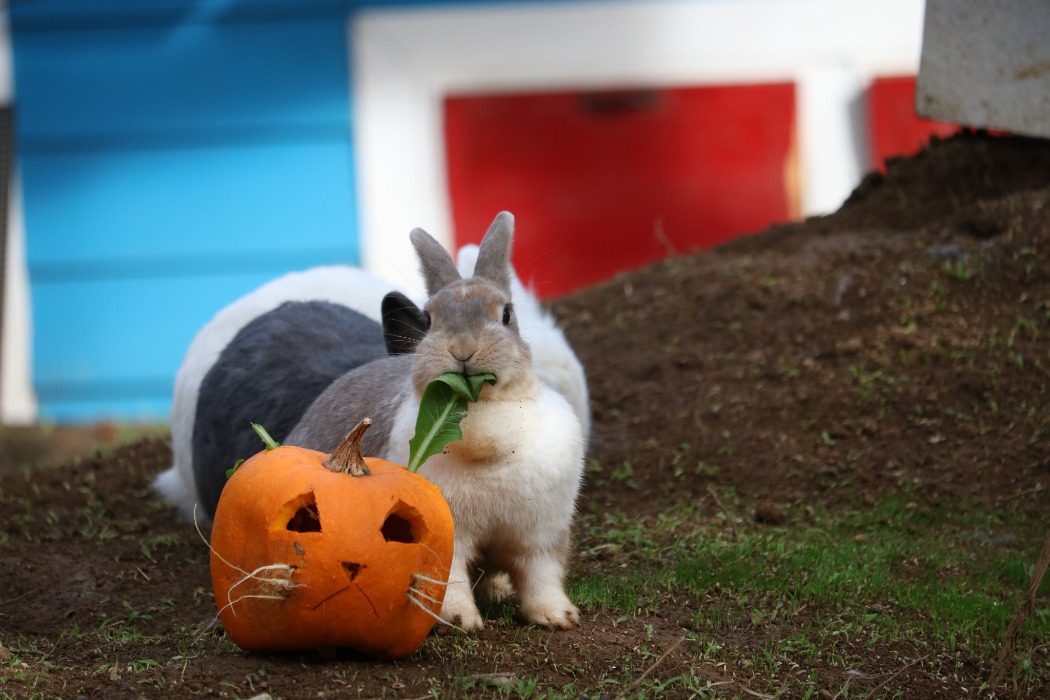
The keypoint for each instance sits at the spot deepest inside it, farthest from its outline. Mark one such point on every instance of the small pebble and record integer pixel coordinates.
(769, 513)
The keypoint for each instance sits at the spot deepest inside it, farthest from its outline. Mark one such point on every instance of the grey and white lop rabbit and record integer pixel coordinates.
(513, 480)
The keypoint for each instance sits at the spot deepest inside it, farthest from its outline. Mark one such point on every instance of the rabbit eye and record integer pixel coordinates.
(506, 315)
(425, 318)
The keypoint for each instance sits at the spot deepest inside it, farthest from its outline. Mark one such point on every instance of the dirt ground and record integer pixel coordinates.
(898, 346)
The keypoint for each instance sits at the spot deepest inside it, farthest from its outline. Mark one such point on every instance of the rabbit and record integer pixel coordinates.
(339, 284)
(553, 358)
(513, 479)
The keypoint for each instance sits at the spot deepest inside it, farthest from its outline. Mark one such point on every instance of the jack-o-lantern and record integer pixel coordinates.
(317, 552)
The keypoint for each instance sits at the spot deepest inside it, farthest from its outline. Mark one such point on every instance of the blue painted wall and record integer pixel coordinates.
(174, 155)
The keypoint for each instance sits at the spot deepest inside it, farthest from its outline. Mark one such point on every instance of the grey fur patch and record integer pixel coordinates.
(493, 261)
(434, 262)
(374, 390)
(269, 374)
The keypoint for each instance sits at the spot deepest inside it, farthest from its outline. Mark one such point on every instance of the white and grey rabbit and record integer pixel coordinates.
(513, 480)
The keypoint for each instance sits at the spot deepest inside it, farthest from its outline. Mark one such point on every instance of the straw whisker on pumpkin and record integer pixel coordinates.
(283, 583)
(280, 585)
(247, 575)
(420, 595)
(250, 596)
(437, 560)
(207, 544)
(437, 618)
(417, 590)
(435, 581)
(413, 592)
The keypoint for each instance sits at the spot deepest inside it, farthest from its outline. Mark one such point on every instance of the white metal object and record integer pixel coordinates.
(986, 64)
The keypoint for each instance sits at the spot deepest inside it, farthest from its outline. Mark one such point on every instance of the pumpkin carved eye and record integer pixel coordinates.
(402, 525)
(305, 517)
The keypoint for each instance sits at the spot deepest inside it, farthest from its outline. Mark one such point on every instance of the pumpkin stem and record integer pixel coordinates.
(346, 457)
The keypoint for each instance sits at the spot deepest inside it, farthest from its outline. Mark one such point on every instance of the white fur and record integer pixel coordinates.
(521, 497)
(339, 284)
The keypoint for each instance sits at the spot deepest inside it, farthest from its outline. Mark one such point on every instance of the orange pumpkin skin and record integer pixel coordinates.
(339, 576)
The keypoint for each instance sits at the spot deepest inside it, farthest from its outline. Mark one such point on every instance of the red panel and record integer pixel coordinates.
(602, 182)
(894, 128)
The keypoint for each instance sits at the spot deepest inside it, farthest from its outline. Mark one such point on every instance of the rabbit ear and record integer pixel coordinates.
(494, 254)
(435, 262)
(404, 324)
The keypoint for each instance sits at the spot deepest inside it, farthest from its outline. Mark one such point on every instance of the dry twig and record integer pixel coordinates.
(1008, 650)
(651, 668)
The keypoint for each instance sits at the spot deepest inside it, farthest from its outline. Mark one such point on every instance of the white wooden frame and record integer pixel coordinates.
(405, 61)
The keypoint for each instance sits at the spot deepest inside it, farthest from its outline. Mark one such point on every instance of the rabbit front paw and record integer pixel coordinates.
(555, 614)
(462, 613)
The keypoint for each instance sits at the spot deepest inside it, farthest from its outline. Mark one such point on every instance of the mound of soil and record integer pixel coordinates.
(899, 343)
(899, 347)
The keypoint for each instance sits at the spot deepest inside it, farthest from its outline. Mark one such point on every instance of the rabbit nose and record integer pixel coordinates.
(462, 357)
(462, 352)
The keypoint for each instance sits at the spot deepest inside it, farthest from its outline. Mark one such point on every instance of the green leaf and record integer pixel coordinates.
(231, 470)
(270, 443)
(441, 410)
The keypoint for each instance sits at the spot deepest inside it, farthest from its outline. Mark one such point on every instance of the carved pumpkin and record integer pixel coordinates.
(315, 552)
